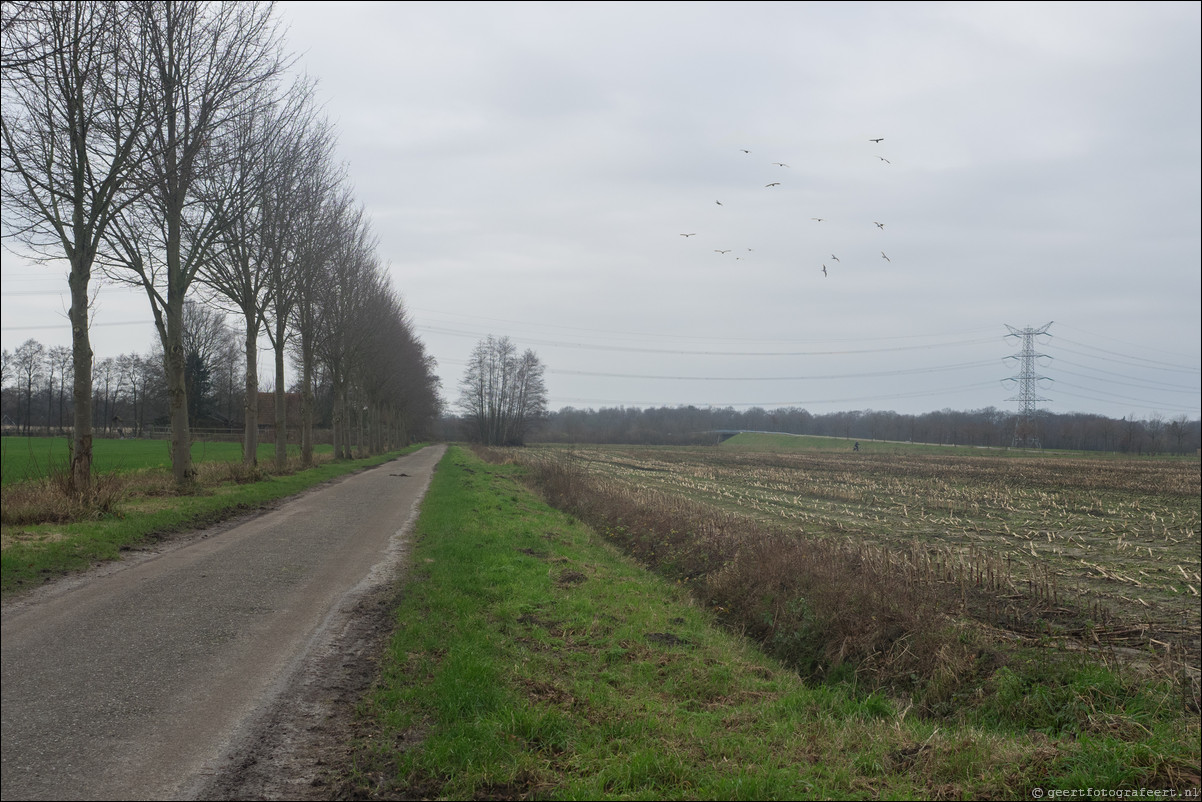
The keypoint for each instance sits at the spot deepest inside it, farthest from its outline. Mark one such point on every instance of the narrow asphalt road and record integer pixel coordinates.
(138, 681)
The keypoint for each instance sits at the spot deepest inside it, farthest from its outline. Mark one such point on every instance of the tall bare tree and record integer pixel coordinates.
(28, 358)
(74, 117)
(503, 393)
(258, 231)
(303, 147)
(135, 377)
(328, 211)
(60, 360)
(210, 62)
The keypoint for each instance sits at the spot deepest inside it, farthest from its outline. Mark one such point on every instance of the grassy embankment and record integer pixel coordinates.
(534, 659)
(45, 532)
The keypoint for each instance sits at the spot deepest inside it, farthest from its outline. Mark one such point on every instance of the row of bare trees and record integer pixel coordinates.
(164, 145)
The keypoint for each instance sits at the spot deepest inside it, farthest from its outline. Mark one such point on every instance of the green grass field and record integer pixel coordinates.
(30, 458)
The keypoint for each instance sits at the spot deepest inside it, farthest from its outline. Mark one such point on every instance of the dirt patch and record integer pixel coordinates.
(569, 578)
(666, 639)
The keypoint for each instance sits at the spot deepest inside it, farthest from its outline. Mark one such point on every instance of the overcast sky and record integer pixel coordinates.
(530, 169)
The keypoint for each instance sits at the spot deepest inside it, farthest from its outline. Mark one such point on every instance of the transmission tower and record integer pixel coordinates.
(1026, 432)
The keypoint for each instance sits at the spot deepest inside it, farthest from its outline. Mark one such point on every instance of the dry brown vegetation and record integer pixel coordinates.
(906, 567)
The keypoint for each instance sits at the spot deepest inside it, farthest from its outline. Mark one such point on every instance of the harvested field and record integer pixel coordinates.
(1104, 549)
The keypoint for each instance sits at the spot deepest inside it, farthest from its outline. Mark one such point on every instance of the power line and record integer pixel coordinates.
(1137, 346)
(1168, 388)
(1138, 403)
(874, 374)
(1114, 356)
(685, 352)
(67, 324)
(641, 336)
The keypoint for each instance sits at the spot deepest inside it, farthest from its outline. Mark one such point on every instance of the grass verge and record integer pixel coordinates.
(533, 659)
(142, 508)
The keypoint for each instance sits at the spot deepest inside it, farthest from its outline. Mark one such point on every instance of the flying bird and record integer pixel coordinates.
(824, 270)
(718, 251)
(780, 164)
(819, 219)
(886, 258)
(879, 225)
(718, 202)
(773, 184)
(745, 150)
(689, 235)
(882, 139)
(836, 258)
(886, 161)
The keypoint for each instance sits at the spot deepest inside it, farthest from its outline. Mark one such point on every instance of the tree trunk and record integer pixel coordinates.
(306, 404)
(177, 387)
(281, 403)
(173, 345)
(250, 405)
(81, 359)
(336, 421)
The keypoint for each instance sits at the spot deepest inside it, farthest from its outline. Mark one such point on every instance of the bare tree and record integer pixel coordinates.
(24, 40)
(258, 222)
(211, 351)
(59, 360)
(7, 367)
(28, 360)
(73, 130)
(235, 272)
(1179, 430)
(134, 376)
(210, 61)
(502, 393)
(303, 147)
(329, 216)
(108, 378)
(229, 377)
(205, 331)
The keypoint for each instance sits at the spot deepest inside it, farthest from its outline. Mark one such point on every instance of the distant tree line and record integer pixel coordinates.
(162, 145)
(982, 427)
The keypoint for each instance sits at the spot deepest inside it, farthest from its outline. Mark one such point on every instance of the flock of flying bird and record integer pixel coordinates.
(835, 258)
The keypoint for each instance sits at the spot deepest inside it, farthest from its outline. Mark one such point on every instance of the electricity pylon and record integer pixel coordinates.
(1026, 433)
